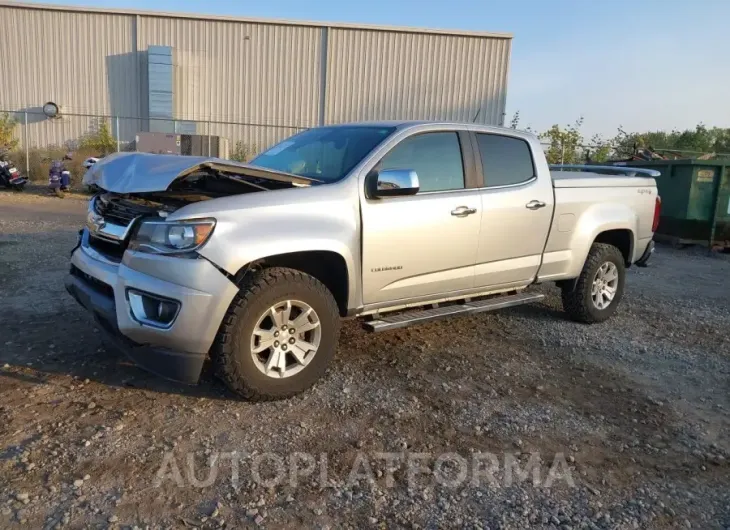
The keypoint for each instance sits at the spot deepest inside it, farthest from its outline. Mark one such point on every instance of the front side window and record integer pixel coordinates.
(324, 153)
(506, 160)
(435, 157)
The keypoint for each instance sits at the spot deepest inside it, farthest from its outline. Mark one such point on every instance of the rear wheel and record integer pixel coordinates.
(278, 336)
(600, 286)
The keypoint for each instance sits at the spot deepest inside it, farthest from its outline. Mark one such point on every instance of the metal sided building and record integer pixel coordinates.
(251, 81)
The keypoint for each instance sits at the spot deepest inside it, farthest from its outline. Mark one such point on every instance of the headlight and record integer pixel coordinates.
(173, 237)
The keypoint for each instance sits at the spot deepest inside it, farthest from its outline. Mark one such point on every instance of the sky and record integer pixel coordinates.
(640, 65)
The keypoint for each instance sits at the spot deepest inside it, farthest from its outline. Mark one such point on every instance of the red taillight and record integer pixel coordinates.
(657, 212)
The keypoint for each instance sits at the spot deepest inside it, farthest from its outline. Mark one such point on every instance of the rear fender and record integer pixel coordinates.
(595, 220)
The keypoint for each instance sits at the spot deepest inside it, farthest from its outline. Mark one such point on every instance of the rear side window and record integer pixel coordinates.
(435, 157)
(505, 160)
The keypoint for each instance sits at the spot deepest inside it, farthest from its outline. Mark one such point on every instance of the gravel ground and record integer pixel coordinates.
(625, 424)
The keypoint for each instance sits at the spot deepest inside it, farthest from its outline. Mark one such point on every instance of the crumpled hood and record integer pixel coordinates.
(145, 172)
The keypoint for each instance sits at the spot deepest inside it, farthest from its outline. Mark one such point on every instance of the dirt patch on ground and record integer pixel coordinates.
(636, 410)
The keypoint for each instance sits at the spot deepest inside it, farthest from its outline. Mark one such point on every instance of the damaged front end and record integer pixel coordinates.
(139, 189)
(116, 223)
(144, 172)
(137, 269)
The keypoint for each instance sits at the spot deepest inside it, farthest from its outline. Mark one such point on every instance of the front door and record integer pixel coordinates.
(424, 244)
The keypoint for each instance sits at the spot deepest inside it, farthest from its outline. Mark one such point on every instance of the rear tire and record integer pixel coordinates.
(580, 302)
(241, 369)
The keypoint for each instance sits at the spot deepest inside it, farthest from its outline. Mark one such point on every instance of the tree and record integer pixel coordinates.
(8, 141)
(515, 123)
(599, 150)
(565, 145)
(695, 141)
(243, 152)
(99, 140)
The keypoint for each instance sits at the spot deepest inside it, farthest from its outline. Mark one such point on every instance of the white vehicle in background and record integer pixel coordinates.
(90, 162)
(393, 223)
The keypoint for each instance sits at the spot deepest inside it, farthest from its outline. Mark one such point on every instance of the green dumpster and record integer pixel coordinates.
(695, 200)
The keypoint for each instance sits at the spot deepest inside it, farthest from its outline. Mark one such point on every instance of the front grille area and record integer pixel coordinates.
(97, 285)
(109, 249)
(116, 211)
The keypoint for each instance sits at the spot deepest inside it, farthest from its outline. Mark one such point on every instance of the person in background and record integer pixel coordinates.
(59, 178)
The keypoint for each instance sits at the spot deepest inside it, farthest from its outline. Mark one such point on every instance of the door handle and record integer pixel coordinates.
(463, 211)
(535, 205)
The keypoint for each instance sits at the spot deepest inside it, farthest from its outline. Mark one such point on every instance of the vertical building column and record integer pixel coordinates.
(160, 89)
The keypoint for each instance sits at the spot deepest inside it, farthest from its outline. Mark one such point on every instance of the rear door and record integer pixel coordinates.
(423, 245)
(517, 209)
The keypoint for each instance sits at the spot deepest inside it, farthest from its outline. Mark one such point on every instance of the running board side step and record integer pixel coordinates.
(410, 318)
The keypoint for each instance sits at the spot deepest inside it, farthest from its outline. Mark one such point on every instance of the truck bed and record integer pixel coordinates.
(585, 179)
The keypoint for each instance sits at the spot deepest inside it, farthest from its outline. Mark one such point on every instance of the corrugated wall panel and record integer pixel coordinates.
(374, 75)
(242, 72)
(250, 72)
(85, 62)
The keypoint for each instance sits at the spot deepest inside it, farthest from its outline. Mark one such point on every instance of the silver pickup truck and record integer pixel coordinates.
(254, 265)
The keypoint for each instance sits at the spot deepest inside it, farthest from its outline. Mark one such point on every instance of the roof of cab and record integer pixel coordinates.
(405, 124)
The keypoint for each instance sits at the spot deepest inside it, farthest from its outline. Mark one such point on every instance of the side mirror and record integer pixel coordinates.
(392, 183)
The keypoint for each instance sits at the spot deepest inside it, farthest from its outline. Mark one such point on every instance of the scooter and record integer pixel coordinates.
(59, 178)
(10, 177)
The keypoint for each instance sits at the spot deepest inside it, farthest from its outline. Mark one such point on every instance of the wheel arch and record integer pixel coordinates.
(621, 238)
(327, 266)
(613, 223)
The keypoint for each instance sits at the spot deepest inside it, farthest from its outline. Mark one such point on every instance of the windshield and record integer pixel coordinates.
(323, 153)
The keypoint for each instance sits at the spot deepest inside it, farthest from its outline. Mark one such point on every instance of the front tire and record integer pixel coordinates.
(278, 336)
(600, 286)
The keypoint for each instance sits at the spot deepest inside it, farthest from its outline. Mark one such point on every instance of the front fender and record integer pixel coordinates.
(259, 225)
(596, 219)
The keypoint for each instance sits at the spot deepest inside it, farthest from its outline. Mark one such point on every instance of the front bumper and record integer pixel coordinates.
(176, 352)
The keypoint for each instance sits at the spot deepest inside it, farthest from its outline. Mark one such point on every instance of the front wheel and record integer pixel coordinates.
(278, 336)
(600, 286)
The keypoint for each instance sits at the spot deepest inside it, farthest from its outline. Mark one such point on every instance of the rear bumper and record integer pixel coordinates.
(177, 351)
(644, 259)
